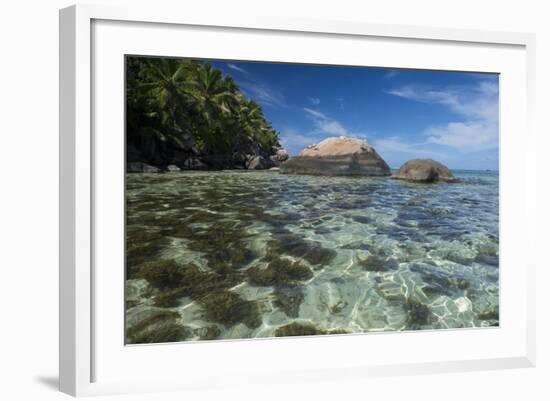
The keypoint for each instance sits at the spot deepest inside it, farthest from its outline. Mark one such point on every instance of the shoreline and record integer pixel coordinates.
(244, 170)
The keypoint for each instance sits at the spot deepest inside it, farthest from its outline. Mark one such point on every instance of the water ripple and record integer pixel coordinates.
(374, 254)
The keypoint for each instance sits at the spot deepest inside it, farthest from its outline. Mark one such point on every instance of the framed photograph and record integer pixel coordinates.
(272, 199)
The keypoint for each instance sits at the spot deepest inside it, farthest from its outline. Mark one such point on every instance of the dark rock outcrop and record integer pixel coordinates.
(160, 149)
(424, 170)
(194, 163)
(337, 156)
(138, 167)
(153, 148)
(280, 155)
(259, 163)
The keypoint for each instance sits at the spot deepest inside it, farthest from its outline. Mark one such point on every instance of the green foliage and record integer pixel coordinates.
(180, 104)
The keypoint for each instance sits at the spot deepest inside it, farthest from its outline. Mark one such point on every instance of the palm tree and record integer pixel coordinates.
(251, 117)
(213, 95)
(186, 104)
(158, 113)
(166, 82)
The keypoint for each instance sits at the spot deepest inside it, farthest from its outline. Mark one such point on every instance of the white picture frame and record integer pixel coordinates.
(82, 345)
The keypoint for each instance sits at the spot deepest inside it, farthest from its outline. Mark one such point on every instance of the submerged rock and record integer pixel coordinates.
(304, 329)
(288, 299)
(136, 291)
(296, 246)
(279, 272)
(298, 329)
(208, 333)
(418, 314)
(337, 156)
(375, 263)
(424, 170)
(174, 281)
(145, 324)
(489, 313)
(164, 274)
(227, 308)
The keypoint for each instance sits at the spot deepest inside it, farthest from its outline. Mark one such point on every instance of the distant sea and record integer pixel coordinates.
(292, 255)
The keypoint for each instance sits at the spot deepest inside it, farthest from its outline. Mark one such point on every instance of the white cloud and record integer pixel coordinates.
(332, 127)
(464, 135)
(395, 144)
(256, 88)
(391, 73)
(477, 105)
(316, 114)
(329, 126)
(234, 67)
(323, 127)
(263, 94)
(315, 101)
(425, 95)
(294, 141)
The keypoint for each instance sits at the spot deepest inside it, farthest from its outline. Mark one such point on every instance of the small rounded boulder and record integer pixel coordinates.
(424, 170)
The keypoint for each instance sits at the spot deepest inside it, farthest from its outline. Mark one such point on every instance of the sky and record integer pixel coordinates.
(451, 117)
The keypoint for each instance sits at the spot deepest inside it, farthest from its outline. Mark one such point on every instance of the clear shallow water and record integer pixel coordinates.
(259, 254)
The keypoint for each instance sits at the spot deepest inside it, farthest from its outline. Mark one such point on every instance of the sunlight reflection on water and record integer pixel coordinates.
(335, 254)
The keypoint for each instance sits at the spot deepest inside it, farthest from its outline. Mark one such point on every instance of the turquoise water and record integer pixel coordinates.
(224, 255)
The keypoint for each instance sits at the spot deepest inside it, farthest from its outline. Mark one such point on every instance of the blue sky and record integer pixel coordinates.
(451, 117)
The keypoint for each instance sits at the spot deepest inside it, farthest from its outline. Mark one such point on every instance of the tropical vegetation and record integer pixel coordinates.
(177, 108)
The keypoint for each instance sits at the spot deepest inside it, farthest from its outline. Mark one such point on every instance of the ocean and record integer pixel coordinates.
(249, 254)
